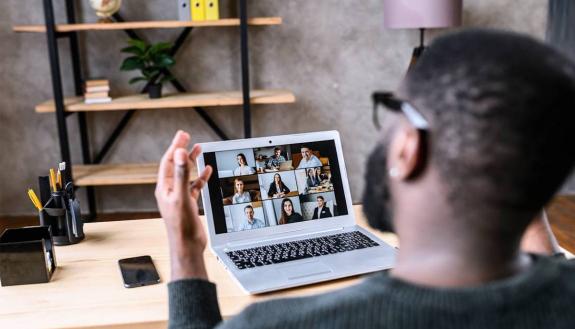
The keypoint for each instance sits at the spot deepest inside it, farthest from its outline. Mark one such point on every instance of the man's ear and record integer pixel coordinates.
(407, 153)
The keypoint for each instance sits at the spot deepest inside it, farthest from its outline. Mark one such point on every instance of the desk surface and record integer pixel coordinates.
(86, 290)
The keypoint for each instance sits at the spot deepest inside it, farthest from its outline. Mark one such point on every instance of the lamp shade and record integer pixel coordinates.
(415, 14)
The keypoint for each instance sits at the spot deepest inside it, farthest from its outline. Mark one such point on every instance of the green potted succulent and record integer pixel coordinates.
(152, 62)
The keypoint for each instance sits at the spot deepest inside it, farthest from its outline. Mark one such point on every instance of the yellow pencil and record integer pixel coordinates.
(34, 199)
(53, 179)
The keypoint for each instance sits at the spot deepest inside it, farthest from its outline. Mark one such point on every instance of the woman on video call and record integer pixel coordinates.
(243, 168)
(239, 195)
(277, 188)
(321, 176)
(313, 179)
(288, 214)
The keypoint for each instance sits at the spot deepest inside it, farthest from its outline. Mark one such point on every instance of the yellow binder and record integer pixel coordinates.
(198, 10)
(212, 10)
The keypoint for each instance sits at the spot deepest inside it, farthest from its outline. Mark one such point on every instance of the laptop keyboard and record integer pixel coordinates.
(289, 251)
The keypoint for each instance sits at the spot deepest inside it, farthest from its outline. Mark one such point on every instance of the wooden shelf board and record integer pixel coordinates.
(179, 100)
(118, 174)
(254, 21)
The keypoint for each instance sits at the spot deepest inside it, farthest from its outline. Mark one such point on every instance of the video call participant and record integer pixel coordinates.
(321, 176)
(288, 214)
(239, 195)
(243, 168)
(251, 223)
(308, 160)
(321, 211)
(313, 179)
(260, 163)
(277, 188)
(276, 159)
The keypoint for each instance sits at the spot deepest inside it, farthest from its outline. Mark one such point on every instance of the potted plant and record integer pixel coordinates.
(152, 61)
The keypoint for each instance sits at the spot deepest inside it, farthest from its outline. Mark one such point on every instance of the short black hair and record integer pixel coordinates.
(320, 197)
(501, 108)
(248, 206)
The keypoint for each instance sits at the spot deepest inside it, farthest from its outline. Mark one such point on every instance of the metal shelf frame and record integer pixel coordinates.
(57, 89)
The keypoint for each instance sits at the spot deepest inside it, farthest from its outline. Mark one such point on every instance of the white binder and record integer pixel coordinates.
(184, 12)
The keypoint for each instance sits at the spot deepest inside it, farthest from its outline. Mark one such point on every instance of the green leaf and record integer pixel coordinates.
(136, 79)
(164, 61)
(132, 63)
(133, 50)
(151, 69)
(160, 48)
(140, 44)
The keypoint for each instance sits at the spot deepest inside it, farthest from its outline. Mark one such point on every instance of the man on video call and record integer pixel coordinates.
(308, 160)
(276, 160)
(321, 211)
(251, 223)
(464, 201)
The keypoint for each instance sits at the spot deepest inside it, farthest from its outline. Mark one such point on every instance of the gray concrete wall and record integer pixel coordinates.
(331, 54)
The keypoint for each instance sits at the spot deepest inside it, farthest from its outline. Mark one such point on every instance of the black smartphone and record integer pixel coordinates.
(138, 271)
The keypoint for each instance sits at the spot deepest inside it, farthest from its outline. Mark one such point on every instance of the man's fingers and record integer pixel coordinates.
(198, 184)
(181, 139)
(181, 173)
(196, 150)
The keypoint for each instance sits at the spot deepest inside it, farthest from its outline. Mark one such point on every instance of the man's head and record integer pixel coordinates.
(320, 201)
(500, 108)
(305, 152)
(277, 151)
(249, 211)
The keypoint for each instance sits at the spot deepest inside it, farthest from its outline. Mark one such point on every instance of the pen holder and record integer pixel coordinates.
(26, 256)
(63, 216)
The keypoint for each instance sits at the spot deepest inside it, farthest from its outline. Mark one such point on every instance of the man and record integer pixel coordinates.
(308, 160)
(276, 159)
(251, 223)
(320, 211)
(460, 195)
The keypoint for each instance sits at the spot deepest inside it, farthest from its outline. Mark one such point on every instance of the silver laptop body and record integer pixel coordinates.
(256, 222)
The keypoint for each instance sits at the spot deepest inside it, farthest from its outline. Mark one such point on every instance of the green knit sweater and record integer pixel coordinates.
(541, 297)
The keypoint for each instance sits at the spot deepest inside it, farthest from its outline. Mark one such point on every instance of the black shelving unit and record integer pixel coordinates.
(52, 39)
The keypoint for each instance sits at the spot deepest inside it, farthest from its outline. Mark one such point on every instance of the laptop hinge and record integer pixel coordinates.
(238, 245)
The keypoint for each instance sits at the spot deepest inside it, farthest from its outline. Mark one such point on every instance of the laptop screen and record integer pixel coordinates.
(277, 185)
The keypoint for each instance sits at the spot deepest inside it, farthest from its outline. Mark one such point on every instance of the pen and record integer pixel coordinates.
(53, 179)
(34, 199)
(59, 180)
(62, 168)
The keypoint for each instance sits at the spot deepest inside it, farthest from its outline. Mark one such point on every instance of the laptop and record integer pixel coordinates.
(286, 165)
(272, 241)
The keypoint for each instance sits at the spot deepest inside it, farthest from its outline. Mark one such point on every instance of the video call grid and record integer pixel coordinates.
(286, 158)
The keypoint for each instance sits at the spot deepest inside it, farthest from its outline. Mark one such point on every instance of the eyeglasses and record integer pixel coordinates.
(415, 118)
(392, 103)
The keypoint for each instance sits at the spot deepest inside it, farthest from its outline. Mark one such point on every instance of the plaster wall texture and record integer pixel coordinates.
(332, 55)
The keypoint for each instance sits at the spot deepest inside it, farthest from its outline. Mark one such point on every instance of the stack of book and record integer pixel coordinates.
(96, 92)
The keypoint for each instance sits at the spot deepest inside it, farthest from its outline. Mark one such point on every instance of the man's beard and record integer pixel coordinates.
(376, 195)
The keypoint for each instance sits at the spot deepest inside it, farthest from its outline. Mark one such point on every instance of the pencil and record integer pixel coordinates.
(34, 199)
(53, 180)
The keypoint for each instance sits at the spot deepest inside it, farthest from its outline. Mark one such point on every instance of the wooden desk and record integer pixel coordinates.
(86, 290)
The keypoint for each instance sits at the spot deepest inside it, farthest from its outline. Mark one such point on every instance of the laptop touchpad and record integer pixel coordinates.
(303, 270)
